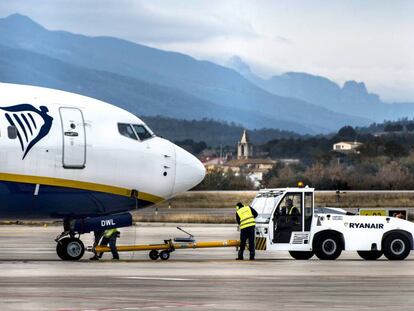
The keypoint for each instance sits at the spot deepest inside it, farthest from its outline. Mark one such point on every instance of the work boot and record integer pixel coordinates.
(239, 258)
(251, 257)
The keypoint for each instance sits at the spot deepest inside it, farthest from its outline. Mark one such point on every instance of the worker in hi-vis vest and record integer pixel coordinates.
(97, 234)
(109, 237)
(291, 209)
(245, 216)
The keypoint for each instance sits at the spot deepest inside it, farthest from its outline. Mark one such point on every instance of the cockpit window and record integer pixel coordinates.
(135, 131)
(126, 130)
(142, 132)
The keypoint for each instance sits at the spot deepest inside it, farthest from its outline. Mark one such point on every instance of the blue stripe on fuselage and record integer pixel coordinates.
(17, 201)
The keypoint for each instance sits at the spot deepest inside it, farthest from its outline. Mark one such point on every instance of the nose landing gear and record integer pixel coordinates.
(69, 247)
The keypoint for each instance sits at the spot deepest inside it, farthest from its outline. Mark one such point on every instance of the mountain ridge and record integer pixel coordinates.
(206, 81)
(352, 98)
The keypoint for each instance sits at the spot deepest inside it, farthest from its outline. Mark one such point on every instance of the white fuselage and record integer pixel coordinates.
(84, 149)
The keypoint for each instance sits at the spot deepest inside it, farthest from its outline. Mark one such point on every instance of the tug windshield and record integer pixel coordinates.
(264, 203)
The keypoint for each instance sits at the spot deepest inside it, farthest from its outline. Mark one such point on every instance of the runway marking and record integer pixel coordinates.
(154, 278)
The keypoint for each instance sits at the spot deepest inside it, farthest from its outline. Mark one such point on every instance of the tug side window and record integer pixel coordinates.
(126, 130)
(308, 210)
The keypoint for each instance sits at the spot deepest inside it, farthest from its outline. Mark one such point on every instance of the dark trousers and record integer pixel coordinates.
(247, 234)
(97, 237)
(112, 244)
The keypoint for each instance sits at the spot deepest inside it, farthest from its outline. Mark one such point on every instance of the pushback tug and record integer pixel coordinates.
(326, 232)
(321, 231)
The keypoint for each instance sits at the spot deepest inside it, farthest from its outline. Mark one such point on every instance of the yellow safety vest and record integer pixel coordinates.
(292, 209)
(108, 233)
(246, 217)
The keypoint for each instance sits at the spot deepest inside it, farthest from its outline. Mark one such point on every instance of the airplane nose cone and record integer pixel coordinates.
(189, 171)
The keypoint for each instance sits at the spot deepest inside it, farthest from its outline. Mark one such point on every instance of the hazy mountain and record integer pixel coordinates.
(352, 98)
(137, 96)
(186, 85)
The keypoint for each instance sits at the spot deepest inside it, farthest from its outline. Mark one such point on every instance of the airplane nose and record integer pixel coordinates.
(189, 171)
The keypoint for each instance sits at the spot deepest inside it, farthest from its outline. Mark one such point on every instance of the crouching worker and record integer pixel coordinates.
(245, 216)
(97, 237)
(109, 237)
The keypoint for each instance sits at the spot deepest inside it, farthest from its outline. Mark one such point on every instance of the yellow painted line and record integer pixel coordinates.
(59, 182)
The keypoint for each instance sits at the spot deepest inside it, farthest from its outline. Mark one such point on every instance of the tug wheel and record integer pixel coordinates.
(154, 255)
(370, 255)
(70, 249)
(328, 247)
(396, 246)
(301, 255)
(165, 255)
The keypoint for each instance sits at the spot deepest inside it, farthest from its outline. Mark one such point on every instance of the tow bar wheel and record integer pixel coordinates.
(165, 255)
(70, 249)
(154, 255)
(396, 246)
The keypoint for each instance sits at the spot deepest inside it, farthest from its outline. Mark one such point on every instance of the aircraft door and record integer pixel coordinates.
(287, 217)
(74, 138)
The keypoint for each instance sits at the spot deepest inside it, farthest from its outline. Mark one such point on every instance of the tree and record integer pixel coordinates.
(393, 127)
(410, 127)
(192, 146)
(217, 179)
(394, 149)
(347, 133)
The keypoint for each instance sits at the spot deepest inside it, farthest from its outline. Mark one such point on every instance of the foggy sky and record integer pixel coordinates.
(370, 41)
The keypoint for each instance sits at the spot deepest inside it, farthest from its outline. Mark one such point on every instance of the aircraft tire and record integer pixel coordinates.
(70, 249)
(370, 255)
(328, 247)
(60, 250)
(396, 246)
(299, 255)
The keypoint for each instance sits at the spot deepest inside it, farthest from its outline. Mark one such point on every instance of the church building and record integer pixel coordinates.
(244, 147)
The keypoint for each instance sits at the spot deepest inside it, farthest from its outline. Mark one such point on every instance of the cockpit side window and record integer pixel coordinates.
(142, 132)
(126, 130)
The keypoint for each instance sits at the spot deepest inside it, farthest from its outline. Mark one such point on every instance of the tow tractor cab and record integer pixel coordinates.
(289, 221)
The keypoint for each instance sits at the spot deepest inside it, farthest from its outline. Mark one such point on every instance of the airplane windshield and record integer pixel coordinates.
(135, 131)
(126, 130)
(142, 132)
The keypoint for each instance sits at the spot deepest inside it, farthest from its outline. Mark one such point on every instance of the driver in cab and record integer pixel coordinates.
(288, 209)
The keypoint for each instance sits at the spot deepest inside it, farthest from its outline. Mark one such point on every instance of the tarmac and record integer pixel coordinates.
(33, 278)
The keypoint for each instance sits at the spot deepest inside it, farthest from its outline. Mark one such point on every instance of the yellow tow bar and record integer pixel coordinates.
(168, 247)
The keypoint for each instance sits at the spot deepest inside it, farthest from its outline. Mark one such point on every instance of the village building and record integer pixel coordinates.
(346, 146)
(248, 162)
